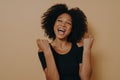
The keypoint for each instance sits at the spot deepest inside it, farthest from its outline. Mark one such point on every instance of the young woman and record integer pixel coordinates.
(67, 57)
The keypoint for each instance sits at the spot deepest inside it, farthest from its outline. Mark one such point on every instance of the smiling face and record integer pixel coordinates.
(63, 26)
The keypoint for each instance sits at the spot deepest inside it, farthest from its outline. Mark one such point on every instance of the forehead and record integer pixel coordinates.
(65, 15)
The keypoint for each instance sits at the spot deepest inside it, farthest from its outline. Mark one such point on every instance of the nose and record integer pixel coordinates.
(63, 24)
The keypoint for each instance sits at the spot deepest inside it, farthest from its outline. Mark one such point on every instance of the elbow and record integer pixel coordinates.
(56, 77)
(86, 75)
(52, 77)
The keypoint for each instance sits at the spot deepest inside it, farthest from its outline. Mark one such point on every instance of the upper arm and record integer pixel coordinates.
(80, 52)
(42, 59)
(80, 65)
(80, 68)
(80, 44)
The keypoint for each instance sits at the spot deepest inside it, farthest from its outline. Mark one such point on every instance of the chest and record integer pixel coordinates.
(68, 63)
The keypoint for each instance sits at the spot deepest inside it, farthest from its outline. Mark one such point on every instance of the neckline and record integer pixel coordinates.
(61, 54)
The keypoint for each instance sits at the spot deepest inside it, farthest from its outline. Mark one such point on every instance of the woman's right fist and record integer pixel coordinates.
(43, 44)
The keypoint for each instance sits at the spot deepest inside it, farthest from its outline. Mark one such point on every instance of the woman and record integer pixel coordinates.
(67, 57)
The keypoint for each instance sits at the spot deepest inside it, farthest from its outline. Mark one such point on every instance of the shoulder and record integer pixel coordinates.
(79, 44)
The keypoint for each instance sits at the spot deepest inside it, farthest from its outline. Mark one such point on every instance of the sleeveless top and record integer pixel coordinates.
(67, 64)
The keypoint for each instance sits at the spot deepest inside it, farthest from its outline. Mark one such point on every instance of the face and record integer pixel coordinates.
(63, 26)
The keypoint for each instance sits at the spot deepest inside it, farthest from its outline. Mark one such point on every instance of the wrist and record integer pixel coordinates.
(47, 51)
(86, 50)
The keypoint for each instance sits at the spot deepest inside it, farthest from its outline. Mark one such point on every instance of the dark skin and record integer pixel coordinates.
(62, 46)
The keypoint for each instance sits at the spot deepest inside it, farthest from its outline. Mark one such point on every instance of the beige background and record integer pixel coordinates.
(20, 27)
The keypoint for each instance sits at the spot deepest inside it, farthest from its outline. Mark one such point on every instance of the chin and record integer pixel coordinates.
(61, 37)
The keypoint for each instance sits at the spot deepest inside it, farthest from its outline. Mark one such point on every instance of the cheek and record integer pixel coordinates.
(69, 30)
(55, 28)
(55, 25)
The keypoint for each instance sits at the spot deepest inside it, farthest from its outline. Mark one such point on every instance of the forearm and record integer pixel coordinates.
(86, 65)
(51, 71)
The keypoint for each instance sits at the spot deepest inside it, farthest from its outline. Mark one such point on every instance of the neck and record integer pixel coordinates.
(60, 43)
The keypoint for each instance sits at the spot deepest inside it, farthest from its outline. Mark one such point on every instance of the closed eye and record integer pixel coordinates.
(59, 20)
(69, 23)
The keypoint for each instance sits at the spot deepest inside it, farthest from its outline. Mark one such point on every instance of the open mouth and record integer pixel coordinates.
(61, 31)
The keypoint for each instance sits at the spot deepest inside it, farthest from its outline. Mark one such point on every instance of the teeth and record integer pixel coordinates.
(61, 31)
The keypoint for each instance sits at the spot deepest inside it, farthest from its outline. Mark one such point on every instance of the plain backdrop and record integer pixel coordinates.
(20, 27)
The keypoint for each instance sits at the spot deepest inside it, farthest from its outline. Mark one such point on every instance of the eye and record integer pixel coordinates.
(69, 23)
(59, 20)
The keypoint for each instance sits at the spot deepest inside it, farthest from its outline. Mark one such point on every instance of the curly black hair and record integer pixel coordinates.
(79, 21)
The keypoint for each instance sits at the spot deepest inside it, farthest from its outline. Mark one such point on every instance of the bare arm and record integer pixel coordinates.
(51, 71)
(85, 67)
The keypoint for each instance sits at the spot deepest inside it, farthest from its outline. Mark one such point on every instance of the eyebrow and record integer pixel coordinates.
(67, 19)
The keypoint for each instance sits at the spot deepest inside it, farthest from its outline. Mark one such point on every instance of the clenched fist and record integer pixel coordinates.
(88, 42)
(43, 44)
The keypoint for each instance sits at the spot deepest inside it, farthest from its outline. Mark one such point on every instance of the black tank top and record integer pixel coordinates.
(67, 64)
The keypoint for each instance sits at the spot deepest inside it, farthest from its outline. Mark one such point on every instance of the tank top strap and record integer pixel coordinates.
(74, 44)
